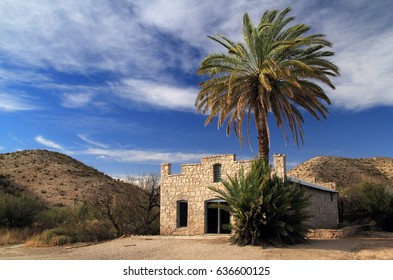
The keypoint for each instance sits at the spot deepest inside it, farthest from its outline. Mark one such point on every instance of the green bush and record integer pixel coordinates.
(18, 211)
(65, 225)
(350, 206)
(265, 209)
(87, 231)
(54, 217)
(377, 200)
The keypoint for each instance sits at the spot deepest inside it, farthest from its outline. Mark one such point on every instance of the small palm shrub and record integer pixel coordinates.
(265, 209)
(377, 200)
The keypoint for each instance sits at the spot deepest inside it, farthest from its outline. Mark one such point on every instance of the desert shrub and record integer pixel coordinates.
(18, 211)
(67, 225)
(351, 209)
(51, 237)
(365, 202)
(88, 231)
(54, 217)
(265, 209)
(377, 200)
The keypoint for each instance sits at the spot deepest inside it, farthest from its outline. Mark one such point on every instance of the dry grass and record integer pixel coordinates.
(16, 236)
(48, 239)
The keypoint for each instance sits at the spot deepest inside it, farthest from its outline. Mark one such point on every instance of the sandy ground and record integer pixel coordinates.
(367, 246)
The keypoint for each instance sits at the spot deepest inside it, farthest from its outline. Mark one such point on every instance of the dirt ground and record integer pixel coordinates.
(367, 246)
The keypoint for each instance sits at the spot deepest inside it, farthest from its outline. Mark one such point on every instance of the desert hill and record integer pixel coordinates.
(345, 172)
(54, 178)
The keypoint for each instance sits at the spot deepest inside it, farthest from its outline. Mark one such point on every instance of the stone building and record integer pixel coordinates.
(186, 197)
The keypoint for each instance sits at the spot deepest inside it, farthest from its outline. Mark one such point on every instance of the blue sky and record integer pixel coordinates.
(113, 83)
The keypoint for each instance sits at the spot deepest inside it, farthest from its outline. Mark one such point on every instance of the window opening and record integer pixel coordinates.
(217, 173)
(182, 213)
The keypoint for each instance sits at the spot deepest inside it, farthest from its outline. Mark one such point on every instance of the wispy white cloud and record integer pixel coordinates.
(366, 71)
(48, 143)
(108, 153)
(145, 156)
(79, 36)
(14, 102)
(91, 141)
(192, 25)
(156, 94)
(363, 45)
(76, 100)
(21, 76)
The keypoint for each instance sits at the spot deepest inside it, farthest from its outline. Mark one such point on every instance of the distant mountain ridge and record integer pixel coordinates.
(54, 178)
(345, 172)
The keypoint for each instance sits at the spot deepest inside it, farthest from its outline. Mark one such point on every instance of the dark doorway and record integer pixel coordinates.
(216, 220)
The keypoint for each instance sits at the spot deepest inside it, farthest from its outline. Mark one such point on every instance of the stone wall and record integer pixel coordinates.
(323, 208)
(192, 185)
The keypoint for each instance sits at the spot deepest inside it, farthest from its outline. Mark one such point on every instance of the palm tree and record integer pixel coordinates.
(273, 71)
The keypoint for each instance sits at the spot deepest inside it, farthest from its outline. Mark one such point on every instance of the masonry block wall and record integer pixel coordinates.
(323, 208)
(192, 185)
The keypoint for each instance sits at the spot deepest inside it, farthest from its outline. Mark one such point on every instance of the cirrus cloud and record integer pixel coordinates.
(48, 143)
(16, 102)
(156, 94)
(144, 156)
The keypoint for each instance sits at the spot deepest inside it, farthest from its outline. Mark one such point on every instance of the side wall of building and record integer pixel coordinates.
(323, 208)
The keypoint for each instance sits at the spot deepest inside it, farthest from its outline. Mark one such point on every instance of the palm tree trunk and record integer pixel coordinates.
(263, 136)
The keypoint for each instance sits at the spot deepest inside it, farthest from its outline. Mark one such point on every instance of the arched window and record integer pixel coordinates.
(182, 213)
(217, 172)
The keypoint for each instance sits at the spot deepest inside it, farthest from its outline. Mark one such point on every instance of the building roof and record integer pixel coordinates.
(308, 184)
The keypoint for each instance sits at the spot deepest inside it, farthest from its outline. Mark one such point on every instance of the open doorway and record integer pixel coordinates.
(216, 220)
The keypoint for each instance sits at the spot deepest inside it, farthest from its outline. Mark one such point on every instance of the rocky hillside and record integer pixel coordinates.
(346, 172)
(54, 178)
